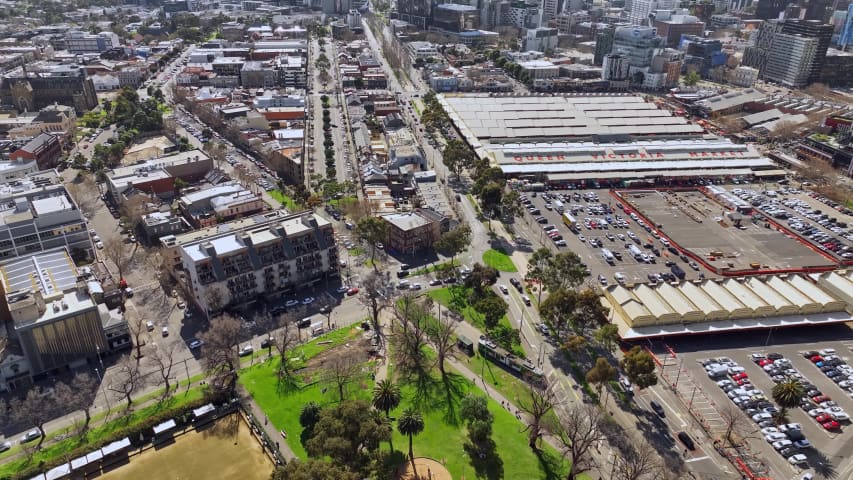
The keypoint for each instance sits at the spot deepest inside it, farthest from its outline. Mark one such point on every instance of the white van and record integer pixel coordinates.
(620, 278)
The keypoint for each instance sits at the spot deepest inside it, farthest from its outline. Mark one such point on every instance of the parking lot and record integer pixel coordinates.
(593, 232)
(829, 442)
(699, 224)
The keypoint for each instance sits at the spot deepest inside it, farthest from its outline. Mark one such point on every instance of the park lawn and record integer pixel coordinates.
(501, 380)
(446, 297)
(283, 199)
(499, 261)
(342, 202)
(282, 404)
(436, 267)
(444, 435)
(97, 432)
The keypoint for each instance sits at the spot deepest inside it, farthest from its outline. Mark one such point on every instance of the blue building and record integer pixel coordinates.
(846, 37)
(702, 54)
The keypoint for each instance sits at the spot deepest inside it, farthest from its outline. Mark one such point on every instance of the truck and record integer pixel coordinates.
(607, 255)
(635, 252)
(559, 207)
(569, 220)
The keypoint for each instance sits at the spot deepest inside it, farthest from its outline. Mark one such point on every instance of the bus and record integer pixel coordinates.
(559, 207)
(635, 252)
(569, 220)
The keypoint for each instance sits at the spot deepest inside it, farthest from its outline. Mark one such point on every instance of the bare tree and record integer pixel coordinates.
(137, 324)
(410, 340)
(220, 357)
(130, 380)
(85, 194)
(376, 294)
(784, 130)
(81, 397)
(133, 209)
(540, 400)
(441, 333)
(641, 462)
(164, 360)
(117, 252)
(285, 339)
(579, 431)
(37, 408)
(341, 371)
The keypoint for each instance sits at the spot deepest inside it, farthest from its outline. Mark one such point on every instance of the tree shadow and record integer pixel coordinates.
(287, 384)
(455, 386)
(427, 397)
(823, 465)
(227, 426)
(485, 460)
(552, 464)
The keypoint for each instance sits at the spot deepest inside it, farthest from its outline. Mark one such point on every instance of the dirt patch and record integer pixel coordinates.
(356, 351)
(427, 469)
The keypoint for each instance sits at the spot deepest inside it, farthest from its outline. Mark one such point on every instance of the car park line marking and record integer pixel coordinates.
(697, 459)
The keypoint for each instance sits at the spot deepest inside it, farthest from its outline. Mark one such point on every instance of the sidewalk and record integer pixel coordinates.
(272, 432)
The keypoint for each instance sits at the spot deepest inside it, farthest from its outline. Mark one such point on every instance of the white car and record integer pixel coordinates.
(769, 430)
(760, 417)
(100, 245)
(815, 412)
(790, 426)
(775, 437)
(797, 459)
(30, 436)
(782, 444)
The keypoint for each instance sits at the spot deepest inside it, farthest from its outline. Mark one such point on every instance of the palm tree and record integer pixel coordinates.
(788, 394)
(386, 396)
(410, 424)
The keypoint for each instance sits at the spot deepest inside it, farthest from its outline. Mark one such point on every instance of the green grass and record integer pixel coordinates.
(356, 251)
(445, 435)
(504, 382)
(342, 202)
(499, 261)
(98, 433)
(283, 199)
(436, 268)
(456, 298)
(282, 403)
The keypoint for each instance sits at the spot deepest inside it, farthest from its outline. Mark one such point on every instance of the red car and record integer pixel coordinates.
(352, 291)
(820, 399)
(765, 362)
(816, 358)
(823, 418)
(743, 381)
(831, 425)
(739, 376)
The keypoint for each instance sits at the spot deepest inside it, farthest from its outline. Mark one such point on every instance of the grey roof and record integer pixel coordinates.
(51, 272)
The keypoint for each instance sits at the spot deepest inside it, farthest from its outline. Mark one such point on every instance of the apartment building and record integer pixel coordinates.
(38, 214)
(266, 255)
(214, 205)
(57, 314)
(789, 61)
(414, 231)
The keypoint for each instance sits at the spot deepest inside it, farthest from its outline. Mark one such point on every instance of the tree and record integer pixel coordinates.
(313, 469)
(411, 423)
(493, 309)
(691, 78)
(377, 293)
(341, 371)
(386, 396)
(128, 381)
(82, 396)
(579, 431)
(601, 373)
(564, 270)
(588, 310)
(35, 409)
(511, 205)
(558, 308)
(116, 251)
(788, 394)
(574, 344)
(457, 156)
(539, 401)
(640, 462)
(164, 360)
(474, 411)
(537, 268)
(349, 434)
(410, 341)
(607, 335)
(784, 130)
(85, 194)
(481, 277)
(454, 242)
(284, 340)
(490, 200)
(137, 325)
(441, 333)
(374, 231)
(309, 416)
(639, 367)
(219, 356)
